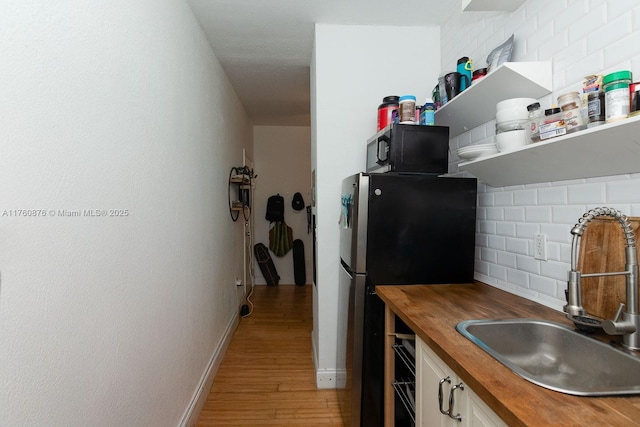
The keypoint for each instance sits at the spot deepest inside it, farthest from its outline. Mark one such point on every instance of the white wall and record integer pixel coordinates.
(283, 164)
(580, 37)
(348, 82)
(109, 321)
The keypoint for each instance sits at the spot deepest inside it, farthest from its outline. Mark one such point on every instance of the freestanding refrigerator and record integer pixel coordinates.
(396, 229)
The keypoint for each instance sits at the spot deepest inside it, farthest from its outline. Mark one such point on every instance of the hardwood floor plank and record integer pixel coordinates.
(267, 376)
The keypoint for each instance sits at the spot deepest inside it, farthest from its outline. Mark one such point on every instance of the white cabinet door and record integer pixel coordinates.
(432, 374)
(434, 381)
(479, 414)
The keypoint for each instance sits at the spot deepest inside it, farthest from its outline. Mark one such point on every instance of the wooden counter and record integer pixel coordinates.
(433, 311)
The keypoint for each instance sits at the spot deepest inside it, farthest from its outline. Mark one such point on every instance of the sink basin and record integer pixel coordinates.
(556, 357)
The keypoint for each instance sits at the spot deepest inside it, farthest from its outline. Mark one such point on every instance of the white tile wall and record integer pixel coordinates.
(580, 37)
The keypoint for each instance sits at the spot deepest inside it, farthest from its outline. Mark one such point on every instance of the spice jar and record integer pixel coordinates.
(407, 109)
(535, 113)
(616, 95)
(593, 99)
(552, 124)
(570, 106)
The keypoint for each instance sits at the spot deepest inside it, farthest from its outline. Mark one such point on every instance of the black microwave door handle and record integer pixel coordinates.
(386, 139)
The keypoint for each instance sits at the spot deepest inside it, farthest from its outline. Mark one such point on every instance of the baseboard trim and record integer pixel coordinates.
(199, 398)
(327, 378)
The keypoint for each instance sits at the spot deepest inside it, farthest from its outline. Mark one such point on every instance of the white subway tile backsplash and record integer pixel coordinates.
(495, 214)
(487, 227)
(503, 199)
(552, 196)
(528, 263)
(516, 245)
(506, 259)
(506, 229)
(482, 267)
(485, 199)
(514, 214)
(589, 64)
(586, 193)
(518, 278)
(554, 270)
(543, 285)
(560, 233)
(496, 242)
(526, 197)
(580, 28)
(620, 7)
(553, 251)
(527, 230)
(566, 214)
(489, 255)
(621, 50)
(482, 240)
(623, 191)
(538, 214)
(498, 272)
(606, 34)
(580, 37)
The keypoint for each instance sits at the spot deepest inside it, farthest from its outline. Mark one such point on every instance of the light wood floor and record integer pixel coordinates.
(267, 375)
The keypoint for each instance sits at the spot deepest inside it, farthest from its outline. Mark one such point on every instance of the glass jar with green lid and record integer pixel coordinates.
(616, 95)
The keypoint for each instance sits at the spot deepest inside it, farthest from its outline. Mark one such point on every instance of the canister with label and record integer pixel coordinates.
(387, 110)
(616, 95)
(407, 109)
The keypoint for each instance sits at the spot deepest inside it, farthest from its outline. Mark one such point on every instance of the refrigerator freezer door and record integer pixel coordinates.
(421, 229)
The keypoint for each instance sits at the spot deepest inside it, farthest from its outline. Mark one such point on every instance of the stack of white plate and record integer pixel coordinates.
(512, 118)
(473, 152)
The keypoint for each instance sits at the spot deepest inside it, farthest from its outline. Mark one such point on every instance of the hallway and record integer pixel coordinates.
(267, 375)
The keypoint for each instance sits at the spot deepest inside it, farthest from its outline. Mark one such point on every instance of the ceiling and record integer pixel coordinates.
(265, 46)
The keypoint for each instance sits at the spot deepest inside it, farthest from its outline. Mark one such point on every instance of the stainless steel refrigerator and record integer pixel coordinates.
(395, 229)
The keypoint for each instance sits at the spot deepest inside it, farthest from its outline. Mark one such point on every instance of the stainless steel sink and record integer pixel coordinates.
(556, 357)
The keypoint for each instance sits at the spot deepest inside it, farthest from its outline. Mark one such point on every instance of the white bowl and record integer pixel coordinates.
(512, 125)
(508, 141)
(510, 114)
(515, 102)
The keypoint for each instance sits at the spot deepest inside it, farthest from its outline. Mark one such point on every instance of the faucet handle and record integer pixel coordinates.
(618, 313)
(617, 327)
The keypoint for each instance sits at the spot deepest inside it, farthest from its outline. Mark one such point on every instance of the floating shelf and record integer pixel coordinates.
(477, 104)
(491, 5)
(610, 149)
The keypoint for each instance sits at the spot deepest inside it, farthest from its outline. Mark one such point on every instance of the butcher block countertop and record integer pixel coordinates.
(432, 312)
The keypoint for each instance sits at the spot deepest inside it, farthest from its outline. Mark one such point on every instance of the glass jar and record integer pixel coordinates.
(570, 106)
(533, 130)
(552, 124)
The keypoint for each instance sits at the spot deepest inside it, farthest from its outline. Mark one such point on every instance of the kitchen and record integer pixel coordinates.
(580, 37)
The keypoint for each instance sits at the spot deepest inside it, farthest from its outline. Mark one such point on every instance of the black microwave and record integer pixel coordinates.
(409, 149)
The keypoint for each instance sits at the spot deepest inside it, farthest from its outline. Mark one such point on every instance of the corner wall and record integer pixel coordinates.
(348, 82)
(117, 253)
(580, 37)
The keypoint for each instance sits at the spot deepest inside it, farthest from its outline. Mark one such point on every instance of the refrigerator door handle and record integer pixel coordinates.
(347, 269)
